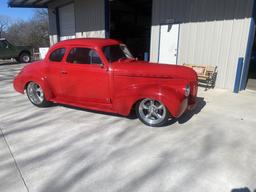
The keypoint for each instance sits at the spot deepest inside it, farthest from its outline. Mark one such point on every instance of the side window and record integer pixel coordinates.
(83, 56)
(94, 57)
(3, 44)
(57, 55)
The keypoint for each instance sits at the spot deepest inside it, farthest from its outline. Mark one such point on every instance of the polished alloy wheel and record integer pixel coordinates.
(152, 112)
(35, 93)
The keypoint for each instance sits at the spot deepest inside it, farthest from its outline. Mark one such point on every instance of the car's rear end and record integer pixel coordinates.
(19, 81)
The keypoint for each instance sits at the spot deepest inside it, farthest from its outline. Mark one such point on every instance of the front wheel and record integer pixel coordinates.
(36, 95)
(152, 112)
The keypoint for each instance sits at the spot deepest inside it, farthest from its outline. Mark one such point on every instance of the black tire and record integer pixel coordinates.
(17, 59)
(24, 57)
(159, 113)
(36, 95)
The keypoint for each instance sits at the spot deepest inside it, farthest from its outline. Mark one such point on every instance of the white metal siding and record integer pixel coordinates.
(67, 22)
(88, 20)
(213, 32)
(53, 39)
(155, 43)
(53, 25)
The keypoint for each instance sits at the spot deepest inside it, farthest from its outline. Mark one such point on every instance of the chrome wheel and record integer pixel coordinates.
(26, 58)
(35, 93)
(152, 112)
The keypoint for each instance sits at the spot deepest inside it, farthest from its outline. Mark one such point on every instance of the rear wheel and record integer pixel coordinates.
(36, 95)
(152, 112)
(25, 57)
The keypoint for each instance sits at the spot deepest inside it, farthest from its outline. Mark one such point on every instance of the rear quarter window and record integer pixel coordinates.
(57, 55)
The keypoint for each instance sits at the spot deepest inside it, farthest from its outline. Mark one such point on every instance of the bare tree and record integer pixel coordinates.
(33, 32)
(18, 33)
(4, 23)
(41, 14)
(41, 25)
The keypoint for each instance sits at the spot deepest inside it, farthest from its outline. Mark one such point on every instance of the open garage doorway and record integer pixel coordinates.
(251, 82)
(130, 22)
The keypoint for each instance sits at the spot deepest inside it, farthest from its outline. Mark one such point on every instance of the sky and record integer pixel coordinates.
(15, 13)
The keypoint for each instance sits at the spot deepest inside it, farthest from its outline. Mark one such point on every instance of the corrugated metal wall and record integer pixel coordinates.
(89, 18)
(52, 12)
(213, 32)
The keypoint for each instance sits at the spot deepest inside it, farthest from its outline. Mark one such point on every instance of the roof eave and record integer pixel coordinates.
(27, 6)
(23, 5)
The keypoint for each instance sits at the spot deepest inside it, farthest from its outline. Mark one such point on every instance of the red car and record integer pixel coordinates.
(102, 75)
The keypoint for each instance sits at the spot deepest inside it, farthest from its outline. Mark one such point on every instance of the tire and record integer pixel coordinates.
(152, 112)
(36, 95)
(24, 57)
(17, 59)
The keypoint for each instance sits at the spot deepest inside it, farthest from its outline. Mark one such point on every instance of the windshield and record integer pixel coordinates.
(116, 52)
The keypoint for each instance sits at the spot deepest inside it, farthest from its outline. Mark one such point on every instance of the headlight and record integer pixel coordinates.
(186, 90)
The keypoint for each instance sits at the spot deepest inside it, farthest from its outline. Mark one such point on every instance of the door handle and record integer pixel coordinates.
(64, 72)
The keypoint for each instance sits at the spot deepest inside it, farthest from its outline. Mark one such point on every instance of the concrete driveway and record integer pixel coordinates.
(62, 149)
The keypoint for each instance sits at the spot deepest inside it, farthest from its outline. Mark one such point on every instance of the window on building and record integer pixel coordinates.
(57, 55)
(83, 56)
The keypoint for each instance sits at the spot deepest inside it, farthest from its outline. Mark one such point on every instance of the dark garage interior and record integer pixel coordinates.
(251, 83)
(130, 22)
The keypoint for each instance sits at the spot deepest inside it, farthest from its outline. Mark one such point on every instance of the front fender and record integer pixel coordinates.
(125, 100)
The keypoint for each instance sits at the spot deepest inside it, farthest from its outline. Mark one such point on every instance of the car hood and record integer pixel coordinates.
(155, 70)
(23, 47)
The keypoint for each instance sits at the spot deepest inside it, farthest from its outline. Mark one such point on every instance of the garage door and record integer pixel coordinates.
(67, 22)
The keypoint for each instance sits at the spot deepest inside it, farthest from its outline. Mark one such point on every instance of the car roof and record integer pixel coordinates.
(2, 39)
(95, 42)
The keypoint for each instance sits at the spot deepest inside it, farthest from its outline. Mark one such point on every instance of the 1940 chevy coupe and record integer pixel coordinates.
(102, 75)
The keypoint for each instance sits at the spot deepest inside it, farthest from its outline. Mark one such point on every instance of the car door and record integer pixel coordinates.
(3, 49)
(11, 51)
(84, 78)
(54, 70)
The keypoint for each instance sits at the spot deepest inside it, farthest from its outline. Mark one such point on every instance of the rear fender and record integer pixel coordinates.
(44, 85)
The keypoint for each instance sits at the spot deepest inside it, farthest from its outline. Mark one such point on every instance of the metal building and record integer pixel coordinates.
(209, 32)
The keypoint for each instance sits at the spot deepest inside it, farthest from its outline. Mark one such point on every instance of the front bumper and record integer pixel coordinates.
(183, 107)
(188, 104)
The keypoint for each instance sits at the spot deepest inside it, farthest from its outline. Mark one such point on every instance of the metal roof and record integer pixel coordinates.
(29, 3)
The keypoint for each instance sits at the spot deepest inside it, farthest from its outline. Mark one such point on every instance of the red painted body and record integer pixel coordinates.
(114, 87)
